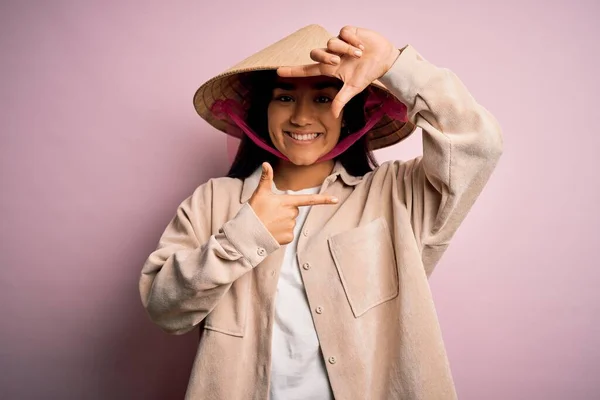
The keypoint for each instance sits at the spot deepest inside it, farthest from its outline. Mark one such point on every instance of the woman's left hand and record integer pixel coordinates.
(357, 56)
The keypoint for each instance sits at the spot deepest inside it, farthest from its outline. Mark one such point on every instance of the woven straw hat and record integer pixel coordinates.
(292, 50)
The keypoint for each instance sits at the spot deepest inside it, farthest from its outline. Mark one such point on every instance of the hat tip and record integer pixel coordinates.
(314, 26)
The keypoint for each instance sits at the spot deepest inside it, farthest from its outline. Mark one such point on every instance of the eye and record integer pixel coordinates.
(323, 99)
(283, 98)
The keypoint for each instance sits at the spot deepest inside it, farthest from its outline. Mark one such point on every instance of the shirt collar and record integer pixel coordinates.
(251, 182)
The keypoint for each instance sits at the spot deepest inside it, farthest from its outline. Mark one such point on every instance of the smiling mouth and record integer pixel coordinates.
(304, 137)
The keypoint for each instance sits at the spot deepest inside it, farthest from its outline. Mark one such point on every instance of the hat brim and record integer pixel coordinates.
(293, 49)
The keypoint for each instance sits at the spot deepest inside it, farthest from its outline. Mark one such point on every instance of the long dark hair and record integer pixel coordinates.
(358, 159)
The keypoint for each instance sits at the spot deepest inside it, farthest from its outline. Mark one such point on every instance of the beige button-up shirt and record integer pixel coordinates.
(365, 261)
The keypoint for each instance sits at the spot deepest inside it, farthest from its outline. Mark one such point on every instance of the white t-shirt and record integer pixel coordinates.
(297, 367)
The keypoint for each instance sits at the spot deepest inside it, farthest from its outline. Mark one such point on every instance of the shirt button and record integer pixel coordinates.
(306, 266)
(305, 233)
(319, 310)
(261, 252)
(332, 360)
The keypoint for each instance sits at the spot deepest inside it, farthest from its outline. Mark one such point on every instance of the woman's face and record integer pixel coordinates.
(301, 124)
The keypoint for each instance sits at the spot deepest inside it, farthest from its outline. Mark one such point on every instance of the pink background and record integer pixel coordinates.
(100, 143)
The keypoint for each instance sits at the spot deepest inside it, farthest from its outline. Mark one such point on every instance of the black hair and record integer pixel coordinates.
(358, 159)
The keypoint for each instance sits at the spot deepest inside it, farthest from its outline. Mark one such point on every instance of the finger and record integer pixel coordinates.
(349, 34)
(300, 71)
(325, 57)
(300, 200)
(346, 93)
(295, 211)
(338, 46)
(266, 178)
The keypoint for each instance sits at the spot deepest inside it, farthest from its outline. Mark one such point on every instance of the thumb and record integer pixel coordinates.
(266, 178)
(346, 93)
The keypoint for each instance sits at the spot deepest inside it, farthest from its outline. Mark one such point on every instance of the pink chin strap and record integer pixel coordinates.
(375, 108)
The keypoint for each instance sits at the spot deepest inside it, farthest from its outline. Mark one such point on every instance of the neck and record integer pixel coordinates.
(288, 176)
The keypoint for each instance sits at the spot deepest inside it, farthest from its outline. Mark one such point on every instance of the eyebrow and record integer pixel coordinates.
(316, 86)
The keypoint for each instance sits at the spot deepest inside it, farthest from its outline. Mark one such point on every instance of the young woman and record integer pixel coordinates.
(307, 268)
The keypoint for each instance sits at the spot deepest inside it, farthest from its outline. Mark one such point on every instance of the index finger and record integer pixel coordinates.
(349, 34)
(299, 200)
(300, 71)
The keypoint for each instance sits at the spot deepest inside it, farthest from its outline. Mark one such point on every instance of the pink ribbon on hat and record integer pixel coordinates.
(230, 108)
(375, 106)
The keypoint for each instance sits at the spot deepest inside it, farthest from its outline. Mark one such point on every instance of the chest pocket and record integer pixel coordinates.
(364, 258)
(230, 314)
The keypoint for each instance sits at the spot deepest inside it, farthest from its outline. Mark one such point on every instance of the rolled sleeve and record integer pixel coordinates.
(250, 236)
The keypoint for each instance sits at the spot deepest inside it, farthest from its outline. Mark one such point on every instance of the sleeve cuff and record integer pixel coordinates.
(249, 236)
(408, 75)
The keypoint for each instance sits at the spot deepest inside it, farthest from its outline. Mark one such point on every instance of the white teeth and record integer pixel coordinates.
(309, 136)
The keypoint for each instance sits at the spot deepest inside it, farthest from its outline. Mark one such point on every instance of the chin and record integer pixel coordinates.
(302, 160)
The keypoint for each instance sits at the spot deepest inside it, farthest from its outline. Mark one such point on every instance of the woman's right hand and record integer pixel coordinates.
(278, 212)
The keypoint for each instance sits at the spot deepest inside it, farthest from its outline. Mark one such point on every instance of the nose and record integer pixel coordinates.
(303, 113)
